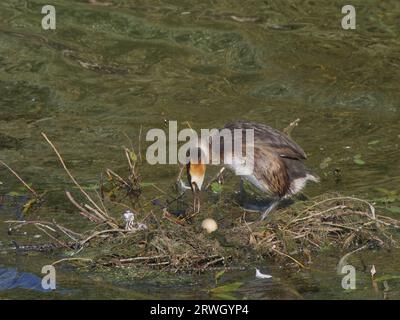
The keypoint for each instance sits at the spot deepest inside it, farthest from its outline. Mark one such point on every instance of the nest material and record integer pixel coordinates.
(293, 233)
(173, 247)
(299, 231)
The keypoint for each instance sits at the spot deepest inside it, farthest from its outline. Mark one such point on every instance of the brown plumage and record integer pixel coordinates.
(278, 162)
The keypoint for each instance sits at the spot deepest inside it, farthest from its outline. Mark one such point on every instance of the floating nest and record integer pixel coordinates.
(158, 239)
(298, 232)
(292, 235)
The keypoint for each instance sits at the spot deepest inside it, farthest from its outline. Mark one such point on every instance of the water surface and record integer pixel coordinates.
(113, 66)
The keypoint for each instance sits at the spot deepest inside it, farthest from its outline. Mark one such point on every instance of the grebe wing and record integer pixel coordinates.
(268, 137)
(270, 171)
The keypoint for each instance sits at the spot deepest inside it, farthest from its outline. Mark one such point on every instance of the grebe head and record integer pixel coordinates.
(196, 173)
(196, 169)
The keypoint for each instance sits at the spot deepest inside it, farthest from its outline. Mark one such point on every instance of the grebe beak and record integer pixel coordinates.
(196, 198)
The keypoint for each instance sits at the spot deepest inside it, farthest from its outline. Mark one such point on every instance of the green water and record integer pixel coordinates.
(109, 69)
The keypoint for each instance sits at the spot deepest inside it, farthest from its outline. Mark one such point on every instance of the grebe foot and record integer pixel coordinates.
(301, 197)
(271, 207)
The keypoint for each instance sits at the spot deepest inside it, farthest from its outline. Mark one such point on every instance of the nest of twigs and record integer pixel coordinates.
(166, 246)
(160, 240)
(292, 234)
(330, 221)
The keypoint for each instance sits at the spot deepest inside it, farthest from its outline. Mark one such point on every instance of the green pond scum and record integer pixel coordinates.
(78, 95)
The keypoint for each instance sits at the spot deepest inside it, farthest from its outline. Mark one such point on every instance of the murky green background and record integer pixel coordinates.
(112, 66)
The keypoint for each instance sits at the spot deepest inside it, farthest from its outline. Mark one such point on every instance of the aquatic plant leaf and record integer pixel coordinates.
(14, 194)
(218, 275)
(27, 206)
(386, 199)
(386, 277)
(394, 209)
(373, 142)
(146, 184)
(216, 187)
(224, 296)
(357, 160)
(89, 187)
(386, 191)
(132, 156)
(226, 288)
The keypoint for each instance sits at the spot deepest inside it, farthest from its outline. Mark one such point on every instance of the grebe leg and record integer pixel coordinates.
(242, 191)
(241, 186)
(301, 197)
(270, 208)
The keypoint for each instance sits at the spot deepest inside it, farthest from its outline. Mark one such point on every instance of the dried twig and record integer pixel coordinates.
(98, 233)
(36, 195)
(98, 211)
(288, 130)
(217, 177)
(71, 259)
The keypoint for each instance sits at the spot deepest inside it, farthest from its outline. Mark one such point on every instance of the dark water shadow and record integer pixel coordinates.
(13, 279)
(13, 204)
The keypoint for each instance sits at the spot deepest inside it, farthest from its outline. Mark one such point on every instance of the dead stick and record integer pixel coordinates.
(290, 257)
(52, 237)
(20, 179)
(288, 130)
(71, 259)
(83, 211)
(101, 232)
(76, 182)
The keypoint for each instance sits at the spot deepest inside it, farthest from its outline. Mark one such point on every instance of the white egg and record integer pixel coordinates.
(210, 225)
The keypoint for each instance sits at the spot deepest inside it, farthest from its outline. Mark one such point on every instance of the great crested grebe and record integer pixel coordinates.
(278, 164)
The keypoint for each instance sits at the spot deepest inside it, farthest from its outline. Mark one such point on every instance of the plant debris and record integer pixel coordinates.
(158, 238)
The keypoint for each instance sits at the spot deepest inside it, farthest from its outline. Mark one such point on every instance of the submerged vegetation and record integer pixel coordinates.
(125, 229)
